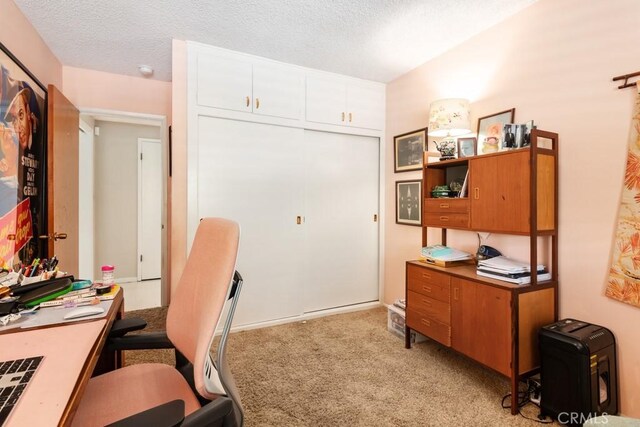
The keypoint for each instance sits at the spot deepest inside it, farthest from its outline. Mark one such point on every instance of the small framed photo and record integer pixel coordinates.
(408, 149)
(491, 131)
(409, 202)
(467, 147)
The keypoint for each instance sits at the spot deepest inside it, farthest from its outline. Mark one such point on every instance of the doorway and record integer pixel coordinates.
(128, 199)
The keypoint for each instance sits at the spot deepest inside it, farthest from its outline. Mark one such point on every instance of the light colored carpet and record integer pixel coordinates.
(348, 370)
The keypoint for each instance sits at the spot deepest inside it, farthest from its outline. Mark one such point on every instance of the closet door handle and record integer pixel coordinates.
(248, 101)
(257, 103)
(299, 219)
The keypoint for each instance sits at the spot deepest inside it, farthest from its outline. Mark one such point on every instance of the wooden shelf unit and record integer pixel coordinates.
(491, 321)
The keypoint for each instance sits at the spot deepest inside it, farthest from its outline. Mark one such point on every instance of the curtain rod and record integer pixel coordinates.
(626, 77)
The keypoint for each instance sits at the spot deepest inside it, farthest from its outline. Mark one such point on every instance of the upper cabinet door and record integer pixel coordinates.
(277, 90)
(224, 82)
(500, 193)
(326, 100)
(365, 105)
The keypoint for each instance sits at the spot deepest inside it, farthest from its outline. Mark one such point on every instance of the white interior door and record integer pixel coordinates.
(342, 195)
(149, 209)
(85, 203)
(253, 174)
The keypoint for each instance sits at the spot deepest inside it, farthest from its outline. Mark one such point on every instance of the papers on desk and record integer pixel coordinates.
(509, 270)
(444, 253)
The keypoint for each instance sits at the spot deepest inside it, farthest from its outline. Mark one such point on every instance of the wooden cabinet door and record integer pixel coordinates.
(365, 105)
(326, 100)
(277, 91)
(499, 192)
(463, 306)
(492, 328)
(224, 82)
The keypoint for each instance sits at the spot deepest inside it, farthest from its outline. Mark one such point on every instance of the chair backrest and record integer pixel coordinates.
(197, 303)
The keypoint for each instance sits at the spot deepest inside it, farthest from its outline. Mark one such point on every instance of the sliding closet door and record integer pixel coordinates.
(252, 173)
(342, 190)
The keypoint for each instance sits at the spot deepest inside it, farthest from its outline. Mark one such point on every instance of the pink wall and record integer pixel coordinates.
(97, 89)
(17, 34)
(553, 62)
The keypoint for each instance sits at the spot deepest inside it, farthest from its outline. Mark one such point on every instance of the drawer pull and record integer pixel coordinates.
(444, 205)
(426, 288)
(455, 294)
(426, 275)
(425, 322)
(444, 218)
(426, 302)
(476, 193)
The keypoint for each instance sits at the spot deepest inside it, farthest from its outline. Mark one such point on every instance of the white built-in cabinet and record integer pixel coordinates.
(344, 102)
(236, 83)
(306, 193)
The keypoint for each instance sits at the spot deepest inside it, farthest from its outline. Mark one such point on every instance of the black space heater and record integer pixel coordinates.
(577, 371)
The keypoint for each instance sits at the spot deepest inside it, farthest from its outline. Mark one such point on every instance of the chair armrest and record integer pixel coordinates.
(121, 327)
(148, 341)
(169, 414)
(217, 413)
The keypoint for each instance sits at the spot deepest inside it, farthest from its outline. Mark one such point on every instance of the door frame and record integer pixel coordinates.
(140, 142)
(150, 120)
(88, 129)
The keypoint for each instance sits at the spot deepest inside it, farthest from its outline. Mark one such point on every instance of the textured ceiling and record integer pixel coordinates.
(371, 39)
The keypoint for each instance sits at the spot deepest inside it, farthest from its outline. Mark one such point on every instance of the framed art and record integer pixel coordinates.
(408, 149)
(467, 147)
(23, 192)
(409, 202)
(491, 131)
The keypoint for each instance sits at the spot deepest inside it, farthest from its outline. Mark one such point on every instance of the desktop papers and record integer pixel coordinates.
(509, 270)
(444, 253)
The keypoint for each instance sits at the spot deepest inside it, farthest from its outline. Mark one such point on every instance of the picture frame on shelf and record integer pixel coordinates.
(467, 147)
(491, 131)
(408, 149)
(409, 202)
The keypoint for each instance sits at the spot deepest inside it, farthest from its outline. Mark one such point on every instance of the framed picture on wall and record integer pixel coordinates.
(408, 149)
(23, 132)
(409, 202)
(491, 131)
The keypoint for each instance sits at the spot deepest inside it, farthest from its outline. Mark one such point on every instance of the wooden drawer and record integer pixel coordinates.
(429, 327)
(428, 282)
(438, 310)
(445, 206)
(446, 220)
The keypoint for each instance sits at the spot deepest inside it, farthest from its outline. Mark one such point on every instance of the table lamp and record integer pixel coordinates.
(448, 118)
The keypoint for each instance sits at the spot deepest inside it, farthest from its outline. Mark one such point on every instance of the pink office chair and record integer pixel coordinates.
(198, 391)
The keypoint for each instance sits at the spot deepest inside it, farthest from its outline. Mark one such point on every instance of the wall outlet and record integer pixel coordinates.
(535, 389)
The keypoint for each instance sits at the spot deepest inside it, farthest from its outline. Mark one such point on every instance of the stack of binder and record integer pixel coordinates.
(509, 270)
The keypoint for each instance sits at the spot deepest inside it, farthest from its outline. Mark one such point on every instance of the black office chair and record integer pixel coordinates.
(198, 391)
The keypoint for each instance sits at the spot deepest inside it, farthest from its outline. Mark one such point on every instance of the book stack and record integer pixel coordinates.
(444, 255)
(509, 270)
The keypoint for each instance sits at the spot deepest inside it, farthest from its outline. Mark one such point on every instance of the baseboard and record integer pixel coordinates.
(125, 280)
(308, 316)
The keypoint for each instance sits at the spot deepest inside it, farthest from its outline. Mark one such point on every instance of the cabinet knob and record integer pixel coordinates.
(476, 193)
(257, 103)
(343, 116)
(248, 101)
(375, 217)
(299, 220)
(455, 294)
(350, 117)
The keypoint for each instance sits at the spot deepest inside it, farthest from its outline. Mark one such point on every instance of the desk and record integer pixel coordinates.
(72, 352)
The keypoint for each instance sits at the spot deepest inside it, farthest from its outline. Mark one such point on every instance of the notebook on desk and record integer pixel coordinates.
(15, 375)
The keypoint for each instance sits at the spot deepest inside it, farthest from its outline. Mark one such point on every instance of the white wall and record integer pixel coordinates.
(86, 253)
(116, 195)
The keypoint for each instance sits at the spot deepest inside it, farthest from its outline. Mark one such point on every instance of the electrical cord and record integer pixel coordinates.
(524, 398)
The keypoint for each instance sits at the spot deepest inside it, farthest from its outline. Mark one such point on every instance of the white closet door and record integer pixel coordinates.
(224, 82)
(276, 90)
(251, 173)
(342, 238)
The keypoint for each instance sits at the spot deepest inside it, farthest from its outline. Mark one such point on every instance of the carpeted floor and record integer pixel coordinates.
(348, 370)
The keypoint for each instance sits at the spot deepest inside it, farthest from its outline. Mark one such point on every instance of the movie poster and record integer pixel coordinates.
(22, 162)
